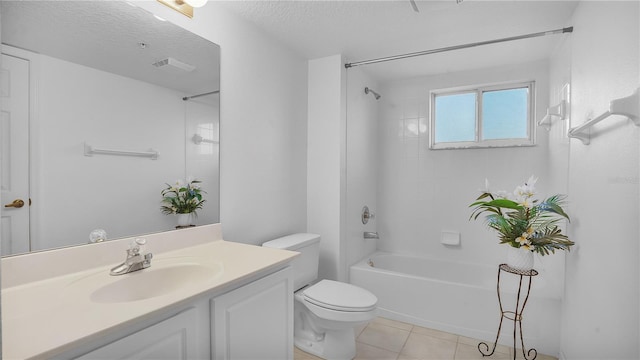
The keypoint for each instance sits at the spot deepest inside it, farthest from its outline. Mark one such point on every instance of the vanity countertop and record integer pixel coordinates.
(41, 319)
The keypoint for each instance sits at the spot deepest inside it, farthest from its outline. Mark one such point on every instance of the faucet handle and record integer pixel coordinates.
(147, 260)
(367, 215)
(136, 246)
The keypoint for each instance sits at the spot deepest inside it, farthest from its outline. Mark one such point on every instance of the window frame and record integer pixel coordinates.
(479, 90)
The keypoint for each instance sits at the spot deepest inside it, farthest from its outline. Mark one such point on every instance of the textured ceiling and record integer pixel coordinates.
(106, 34)
(362, 30)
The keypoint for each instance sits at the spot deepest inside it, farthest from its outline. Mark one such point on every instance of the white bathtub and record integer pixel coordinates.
(457, 297)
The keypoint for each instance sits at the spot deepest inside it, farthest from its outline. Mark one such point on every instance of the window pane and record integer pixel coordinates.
(504, 114)
(455, 117)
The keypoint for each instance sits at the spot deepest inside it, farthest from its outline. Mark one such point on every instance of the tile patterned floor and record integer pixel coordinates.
(386, 339)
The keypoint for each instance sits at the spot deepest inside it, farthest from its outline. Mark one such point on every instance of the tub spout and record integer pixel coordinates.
(371, 235)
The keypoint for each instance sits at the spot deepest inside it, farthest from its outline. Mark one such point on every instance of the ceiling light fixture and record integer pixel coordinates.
(196, 3)
(184, 7)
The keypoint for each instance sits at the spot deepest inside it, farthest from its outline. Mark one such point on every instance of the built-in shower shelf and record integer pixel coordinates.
(627, 106)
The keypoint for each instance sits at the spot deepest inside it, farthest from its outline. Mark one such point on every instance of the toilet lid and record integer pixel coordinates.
(340, 296)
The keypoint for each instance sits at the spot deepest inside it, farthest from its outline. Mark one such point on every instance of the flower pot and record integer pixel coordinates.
(185, 219)
(519, 258)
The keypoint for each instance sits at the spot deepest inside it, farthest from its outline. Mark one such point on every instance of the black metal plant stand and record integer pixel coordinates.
(515, 315)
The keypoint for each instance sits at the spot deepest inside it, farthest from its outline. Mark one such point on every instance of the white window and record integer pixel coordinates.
(487, 116)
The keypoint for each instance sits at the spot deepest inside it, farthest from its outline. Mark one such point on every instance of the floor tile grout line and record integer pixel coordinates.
(405, 341)
(395, 328)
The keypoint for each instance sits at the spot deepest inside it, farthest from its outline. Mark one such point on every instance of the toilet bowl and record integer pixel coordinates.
(326, 313)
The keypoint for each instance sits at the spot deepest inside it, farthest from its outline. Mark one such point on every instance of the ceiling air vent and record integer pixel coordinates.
(173, 63)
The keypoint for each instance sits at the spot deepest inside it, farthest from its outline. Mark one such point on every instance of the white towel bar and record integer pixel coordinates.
(627, 106)
(90, 151)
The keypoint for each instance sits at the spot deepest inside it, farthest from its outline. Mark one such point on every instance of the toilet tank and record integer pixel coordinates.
(305, 265)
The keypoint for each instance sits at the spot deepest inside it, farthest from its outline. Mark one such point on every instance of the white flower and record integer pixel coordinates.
(524, 193)
(531, 182)
(522, 240)
(502, 194)
(527, 247)
(528, 189)
(525, 202)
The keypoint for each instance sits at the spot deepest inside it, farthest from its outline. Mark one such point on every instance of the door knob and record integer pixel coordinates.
(18, 203)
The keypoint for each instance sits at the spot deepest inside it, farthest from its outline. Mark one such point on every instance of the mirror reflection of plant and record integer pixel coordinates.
(182, 199)
(522, 221)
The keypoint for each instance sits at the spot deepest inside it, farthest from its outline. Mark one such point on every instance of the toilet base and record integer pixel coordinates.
(334, 344)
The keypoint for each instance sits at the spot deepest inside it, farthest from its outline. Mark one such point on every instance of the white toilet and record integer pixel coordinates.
(327, 312)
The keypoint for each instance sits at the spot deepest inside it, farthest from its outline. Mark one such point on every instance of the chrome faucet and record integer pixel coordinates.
(370, 235)
(136, 259)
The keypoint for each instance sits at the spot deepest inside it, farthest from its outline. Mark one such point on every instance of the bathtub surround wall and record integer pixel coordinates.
(203, 160)
(263, 129)
(1, 230)
(326, 162)
(341, 172)
(423, 192)
(600, 315)
(202, 118)
(559, 88)
(362, 159)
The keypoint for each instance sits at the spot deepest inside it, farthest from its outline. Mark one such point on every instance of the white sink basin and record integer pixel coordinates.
(163, 277)
(152, 282)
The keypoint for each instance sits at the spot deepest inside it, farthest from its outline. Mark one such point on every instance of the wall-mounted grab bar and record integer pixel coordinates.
(90, 151)
(628, 106)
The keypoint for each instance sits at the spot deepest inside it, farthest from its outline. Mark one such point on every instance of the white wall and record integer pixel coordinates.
(326, 161)
(68, 188)
(601, 312)
(362, 149)
(262, 124)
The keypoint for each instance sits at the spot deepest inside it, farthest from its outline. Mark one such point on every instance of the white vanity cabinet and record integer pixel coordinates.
(214, 300)
(255, 321)
(176, 338)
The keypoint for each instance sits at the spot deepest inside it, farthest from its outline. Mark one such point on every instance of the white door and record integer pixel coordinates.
(14, 164)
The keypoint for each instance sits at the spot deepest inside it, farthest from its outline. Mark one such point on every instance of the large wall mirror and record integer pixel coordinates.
(101, 75)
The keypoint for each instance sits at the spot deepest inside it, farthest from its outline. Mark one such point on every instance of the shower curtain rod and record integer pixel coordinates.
(458, 47)
(197, 96)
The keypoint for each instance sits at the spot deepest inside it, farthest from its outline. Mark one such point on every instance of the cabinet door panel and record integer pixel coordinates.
(171, 339)
(256, 320)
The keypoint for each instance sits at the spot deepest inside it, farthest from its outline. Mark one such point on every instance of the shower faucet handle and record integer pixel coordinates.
(367, 215)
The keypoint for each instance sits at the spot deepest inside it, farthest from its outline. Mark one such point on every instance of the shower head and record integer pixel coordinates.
(367, 91)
